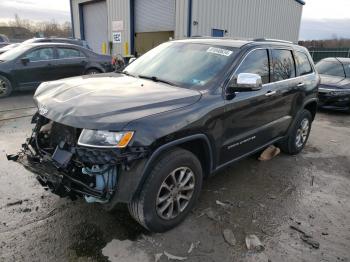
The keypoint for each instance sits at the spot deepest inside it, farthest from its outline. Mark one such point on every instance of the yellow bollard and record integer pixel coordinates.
(126, 49)
(104, 48)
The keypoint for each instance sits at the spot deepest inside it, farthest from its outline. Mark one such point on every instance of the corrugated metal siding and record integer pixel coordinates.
(181, 19)
(154, 15)
(116, 10)
(95, 25)
(119, 10)
(248, 18)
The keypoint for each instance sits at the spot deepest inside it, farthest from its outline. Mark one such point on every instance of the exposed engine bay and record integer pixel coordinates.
(70, 170)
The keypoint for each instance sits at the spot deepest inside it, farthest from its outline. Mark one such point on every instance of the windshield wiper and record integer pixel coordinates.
(156, 79)
(127, 73)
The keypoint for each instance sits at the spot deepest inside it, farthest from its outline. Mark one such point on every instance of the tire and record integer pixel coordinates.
(92, 72)
(145, 209)
(299, 134)
(5, 87)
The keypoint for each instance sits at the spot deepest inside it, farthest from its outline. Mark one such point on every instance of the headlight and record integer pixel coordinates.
(104, 139)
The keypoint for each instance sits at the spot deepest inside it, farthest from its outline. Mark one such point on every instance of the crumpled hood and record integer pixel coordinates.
(335, 82)
(108, 101)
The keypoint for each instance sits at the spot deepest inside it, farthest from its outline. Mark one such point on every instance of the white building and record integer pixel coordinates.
(128, 26)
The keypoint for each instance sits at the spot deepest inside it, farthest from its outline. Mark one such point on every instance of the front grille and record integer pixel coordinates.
(97, 156)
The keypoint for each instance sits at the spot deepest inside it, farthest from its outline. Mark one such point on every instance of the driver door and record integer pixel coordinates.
(250, 115)
(36, 69)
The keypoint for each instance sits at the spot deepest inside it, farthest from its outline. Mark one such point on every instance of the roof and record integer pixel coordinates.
(336, 59)
(300, 2)
(50, 44)
(237, 43)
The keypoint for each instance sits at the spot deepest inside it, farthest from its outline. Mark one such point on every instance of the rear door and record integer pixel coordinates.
(38, 69)
(69, 62)
(284, 86)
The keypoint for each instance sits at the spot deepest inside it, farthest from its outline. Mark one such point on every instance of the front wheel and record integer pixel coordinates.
(170, 191)
(298, 135)
(5, 87)
(92, 72)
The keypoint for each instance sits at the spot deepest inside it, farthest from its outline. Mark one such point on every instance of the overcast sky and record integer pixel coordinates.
(321, 18)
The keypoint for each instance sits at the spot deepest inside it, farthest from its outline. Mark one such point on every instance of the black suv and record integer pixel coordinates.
(181, 112)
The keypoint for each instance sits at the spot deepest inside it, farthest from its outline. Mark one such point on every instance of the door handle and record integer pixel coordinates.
(300, 84)
(270, 93)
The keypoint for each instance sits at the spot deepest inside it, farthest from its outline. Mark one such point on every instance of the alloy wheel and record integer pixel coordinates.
(3, 87)
(175, 193)
(302, 133)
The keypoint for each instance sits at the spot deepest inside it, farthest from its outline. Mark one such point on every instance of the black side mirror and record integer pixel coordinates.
(24, 61)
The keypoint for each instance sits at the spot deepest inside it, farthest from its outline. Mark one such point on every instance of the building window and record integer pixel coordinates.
(217, 32)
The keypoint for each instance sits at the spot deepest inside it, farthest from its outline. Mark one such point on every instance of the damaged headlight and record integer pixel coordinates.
(105, 139)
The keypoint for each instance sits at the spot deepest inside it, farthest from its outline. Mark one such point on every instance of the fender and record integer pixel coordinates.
(171, 144)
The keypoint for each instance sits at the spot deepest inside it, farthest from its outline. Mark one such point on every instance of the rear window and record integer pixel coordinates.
(332, 68)
(303, 64)
(68, 53)
(282, 65)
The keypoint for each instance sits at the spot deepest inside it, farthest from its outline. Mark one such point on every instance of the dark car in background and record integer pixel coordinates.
(26, 66)
(334, 90)
(4, 41)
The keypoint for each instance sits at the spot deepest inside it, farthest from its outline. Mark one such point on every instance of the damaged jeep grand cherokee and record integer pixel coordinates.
(181, 112)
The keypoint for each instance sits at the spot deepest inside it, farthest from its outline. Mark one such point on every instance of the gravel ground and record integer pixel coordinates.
(309, 191)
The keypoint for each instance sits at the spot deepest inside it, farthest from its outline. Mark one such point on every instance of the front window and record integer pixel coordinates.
(333, 68)
(257, 62)
(184, 64)
(41, 54)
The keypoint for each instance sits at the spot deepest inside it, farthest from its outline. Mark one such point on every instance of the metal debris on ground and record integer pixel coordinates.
(213, 215)
(173, 257)
(229, 236)
(223, 204)
(254, 243)
(306, 237)
(193, 246)
(269, 153)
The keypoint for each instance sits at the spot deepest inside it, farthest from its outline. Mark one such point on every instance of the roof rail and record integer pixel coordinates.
(272, 40)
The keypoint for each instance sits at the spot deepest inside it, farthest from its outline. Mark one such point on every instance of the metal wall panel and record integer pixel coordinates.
(119, 10)
(181, 19)
(154, 15)
(95, 25)
(248, 18)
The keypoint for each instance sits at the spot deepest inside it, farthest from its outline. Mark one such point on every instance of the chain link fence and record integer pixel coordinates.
(319, 53)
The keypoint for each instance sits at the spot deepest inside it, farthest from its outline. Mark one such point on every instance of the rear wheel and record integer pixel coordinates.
(171, 190)
(299, 134)
(5, 87)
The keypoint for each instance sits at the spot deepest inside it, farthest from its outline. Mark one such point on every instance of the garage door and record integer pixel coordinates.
(95, 25)
(154, 15)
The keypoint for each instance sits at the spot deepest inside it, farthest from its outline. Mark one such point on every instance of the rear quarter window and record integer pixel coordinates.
(303, 64)
(282, 66)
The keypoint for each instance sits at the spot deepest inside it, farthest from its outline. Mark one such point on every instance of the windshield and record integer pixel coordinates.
(333, 68)
(184, 64)
(14, 53)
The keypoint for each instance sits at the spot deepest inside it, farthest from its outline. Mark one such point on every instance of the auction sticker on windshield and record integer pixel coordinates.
(219, 51)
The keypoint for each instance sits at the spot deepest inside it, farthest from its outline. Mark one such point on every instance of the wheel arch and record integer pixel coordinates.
(311, 106)
(198, 144)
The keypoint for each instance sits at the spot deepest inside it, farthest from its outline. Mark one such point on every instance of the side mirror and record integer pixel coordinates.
(24, 61)
(246, 82)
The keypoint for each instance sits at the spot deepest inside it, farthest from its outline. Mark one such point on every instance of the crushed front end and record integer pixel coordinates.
(70, 170)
